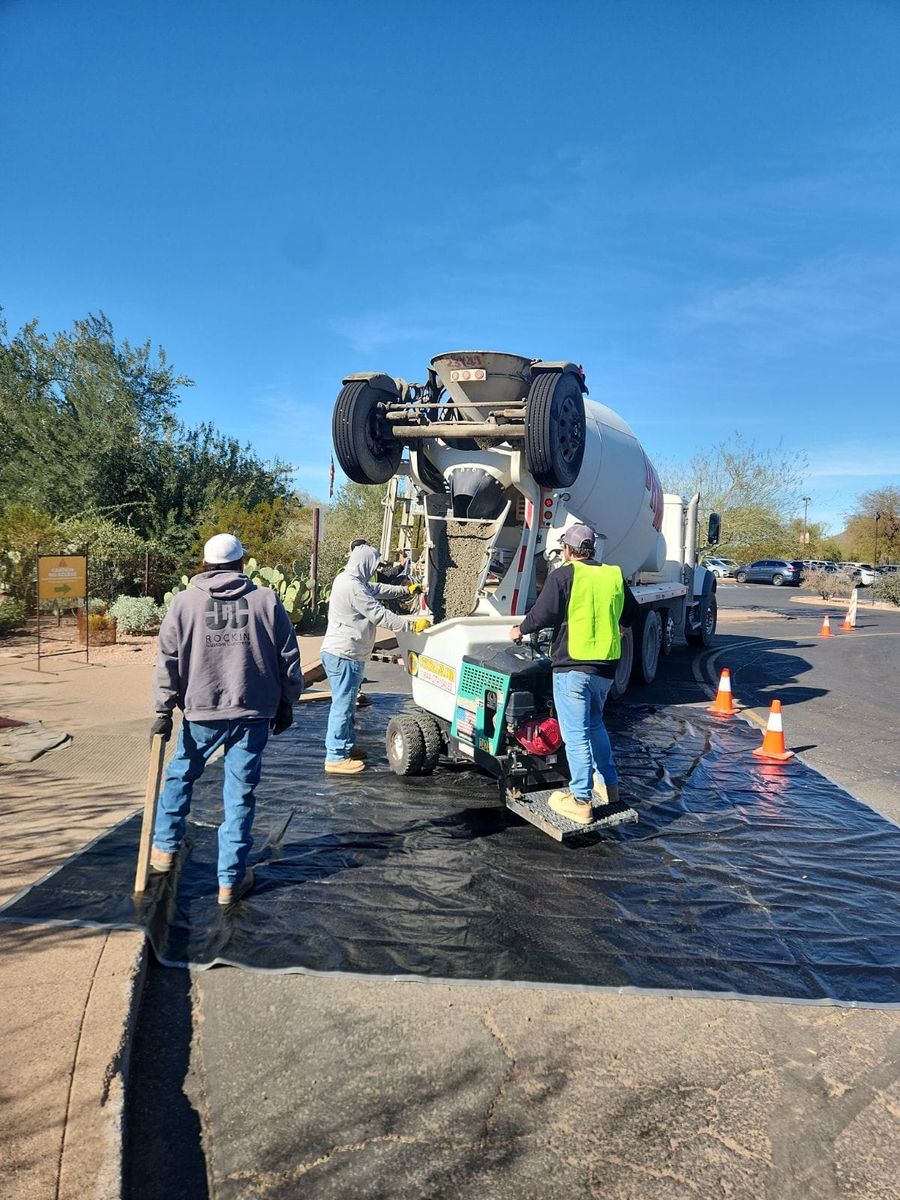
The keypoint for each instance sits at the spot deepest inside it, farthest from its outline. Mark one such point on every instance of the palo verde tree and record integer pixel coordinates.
(756, 491)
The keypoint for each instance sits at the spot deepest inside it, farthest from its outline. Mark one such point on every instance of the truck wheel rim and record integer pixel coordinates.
(569, 429)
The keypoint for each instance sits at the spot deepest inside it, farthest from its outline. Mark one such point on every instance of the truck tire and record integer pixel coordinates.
(623, 670)
(554, 429)
(431, 736)
(405, 744)
(648, 642)
(667, 642)
(364, 454)
(708, 620)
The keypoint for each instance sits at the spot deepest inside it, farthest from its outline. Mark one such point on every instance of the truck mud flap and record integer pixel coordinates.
(533, 807)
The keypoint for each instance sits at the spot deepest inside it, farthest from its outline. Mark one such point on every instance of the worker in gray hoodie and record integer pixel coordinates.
(228, 658)
(354, 615)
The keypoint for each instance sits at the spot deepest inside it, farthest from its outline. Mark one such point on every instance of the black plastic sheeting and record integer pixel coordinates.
(740, 878)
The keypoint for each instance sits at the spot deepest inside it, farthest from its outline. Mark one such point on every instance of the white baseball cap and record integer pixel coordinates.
(222, 548)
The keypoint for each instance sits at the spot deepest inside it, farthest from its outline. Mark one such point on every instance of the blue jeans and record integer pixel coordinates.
(579, 700)
(345, 675)
(244, 742)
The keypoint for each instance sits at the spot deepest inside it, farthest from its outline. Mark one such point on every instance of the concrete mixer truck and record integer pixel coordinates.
(508, 452)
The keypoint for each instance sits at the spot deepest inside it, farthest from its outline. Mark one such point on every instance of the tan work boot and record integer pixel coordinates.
(161, 861)
(601, 791)
(567, 806)
(345, 766)
(231, 895)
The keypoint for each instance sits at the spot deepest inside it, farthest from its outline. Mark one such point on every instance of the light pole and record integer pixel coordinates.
(878, 517)
(806, 500)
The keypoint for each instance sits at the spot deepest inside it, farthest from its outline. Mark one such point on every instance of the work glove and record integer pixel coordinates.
(283, 719)
(421, 625)
(163, 725)
(414, 589)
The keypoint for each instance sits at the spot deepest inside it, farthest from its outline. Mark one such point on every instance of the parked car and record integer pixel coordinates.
(722, 568)
(821, 564)
(864, 575)
(771, 570)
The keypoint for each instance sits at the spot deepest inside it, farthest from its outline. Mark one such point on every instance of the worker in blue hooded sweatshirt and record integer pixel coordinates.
(355, 613)
(228, 658)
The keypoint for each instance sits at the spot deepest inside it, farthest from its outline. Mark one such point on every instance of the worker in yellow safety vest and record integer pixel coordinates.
(587, 603)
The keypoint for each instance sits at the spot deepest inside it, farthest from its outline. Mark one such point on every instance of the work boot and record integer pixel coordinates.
(359, 752)
(345, 766)
(612, 791)
(601, 791)
(231, 895)
(579, 811)
(161, 860)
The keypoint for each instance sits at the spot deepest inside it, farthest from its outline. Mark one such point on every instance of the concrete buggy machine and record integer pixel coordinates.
(505, 453)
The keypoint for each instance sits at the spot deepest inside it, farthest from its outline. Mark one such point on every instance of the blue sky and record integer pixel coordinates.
(697, 200)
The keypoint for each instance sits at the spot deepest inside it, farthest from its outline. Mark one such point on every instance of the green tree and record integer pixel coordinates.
(268, 530)
(79, 411)
(858, 537)
(90, 430)
(357, 511)
(756, 492)
(22, 528)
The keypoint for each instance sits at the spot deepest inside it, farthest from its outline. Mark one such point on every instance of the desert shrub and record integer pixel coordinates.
(887, 588)
(115, 552)
(828, 584)
(135, 614)
(12, 615)
(97, 606)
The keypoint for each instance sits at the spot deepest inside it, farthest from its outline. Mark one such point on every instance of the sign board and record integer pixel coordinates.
(62, 577)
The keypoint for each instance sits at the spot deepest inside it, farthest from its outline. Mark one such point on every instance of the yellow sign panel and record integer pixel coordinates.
(62, 577)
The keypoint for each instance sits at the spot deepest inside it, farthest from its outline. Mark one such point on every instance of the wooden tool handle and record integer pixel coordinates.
(154, 778)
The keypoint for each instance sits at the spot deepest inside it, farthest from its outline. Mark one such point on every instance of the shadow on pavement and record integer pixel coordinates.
(163, 1151)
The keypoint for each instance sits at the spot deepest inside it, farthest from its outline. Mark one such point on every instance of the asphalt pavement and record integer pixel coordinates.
(251, 1086)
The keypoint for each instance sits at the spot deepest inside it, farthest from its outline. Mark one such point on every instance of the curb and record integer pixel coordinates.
(92, 1154)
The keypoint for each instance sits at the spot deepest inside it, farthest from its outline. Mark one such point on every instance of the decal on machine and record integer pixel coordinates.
(433, 671)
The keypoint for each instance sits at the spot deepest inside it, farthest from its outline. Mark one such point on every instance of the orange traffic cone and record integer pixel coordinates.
(773, 739)
(723, 706)
(825, 631)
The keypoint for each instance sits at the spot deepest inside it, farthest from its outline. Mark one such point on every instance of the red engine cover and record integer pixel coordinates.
(540, 737)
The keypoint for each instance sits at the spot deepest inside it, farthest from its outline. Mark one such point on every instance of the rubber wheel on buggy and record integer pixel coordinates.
(623, 670)
(434, 743)
(648, 636)
(705, 634)
(364, 452)
(554, 429)
(405, 744)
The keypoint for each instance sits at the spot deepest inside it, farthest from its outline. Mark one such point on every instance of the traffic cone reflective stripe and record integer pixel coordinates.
(723, 705)
(825, 631)
(850, 619)
(773, 739)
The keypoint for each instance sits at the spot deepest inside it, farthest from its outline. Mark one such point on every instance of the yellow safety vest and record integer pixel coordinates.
(595, 606)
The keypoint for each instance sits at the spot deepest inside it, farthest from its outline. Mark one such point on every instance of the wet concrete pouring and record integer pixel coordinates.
(738, 879)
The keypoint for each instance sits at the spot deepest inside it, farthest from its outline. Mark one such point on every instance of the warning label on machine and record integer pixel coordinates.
(432, 670)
